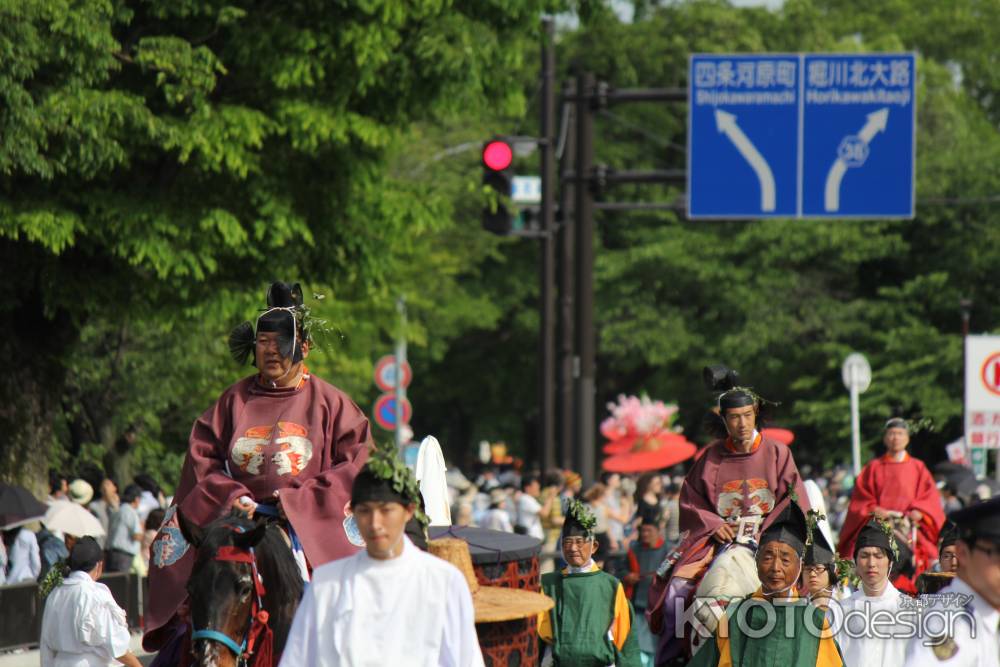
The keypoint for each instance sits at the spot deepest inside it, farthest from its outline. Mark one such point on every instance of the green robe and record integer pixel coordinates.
(590, 618)
(802, 649)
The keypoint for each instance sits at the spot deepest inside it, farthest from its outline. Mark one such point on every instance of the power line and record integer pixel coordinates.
(563, 130)
(950, 201)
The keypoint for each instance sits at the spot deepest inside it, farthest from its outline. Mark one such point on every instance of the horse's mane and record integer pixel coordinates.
(278, 568)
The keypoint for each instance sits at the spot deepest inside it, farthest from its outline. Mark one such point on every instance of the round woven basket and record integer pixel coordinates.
(932, 582)
(492, 604)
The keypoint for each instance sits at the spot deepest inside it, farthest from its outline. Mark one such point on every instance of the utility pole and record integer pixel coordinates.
(547, 371)
(400, 362)
(567, 297)
(584, 234)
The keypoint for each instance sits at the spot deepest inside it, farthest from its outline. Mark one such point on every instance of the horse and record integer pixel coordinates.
(243, 591)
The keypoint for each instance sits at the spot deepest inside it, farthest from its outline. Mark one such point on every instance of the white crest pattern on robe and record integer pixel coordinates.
(760, 496)
(294, 449)
(293, 455)
(248, 451)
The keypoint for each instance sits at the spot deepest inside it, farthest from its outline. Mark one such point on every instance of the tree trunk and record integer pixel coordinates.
(32, 350)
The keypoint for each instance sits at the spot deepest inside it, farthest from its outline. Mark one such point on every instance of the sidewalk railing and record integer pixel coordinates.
(21, 608)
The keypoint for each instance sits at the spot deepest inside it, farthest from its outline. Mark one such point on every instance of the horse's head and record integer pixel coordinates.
(221, 588)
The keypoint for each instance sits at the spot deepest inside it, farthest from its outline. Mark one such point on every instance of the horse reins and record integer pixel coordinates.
(259, 629)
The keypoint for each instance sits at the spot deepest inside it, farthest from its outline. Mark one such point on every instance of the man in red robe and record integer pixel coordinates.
(733, 488)
(896, 482)
(280, 442)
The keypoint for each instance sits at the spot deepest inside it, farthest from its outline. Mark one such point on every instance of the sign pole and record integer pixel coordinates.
(855, 430)
(400, 363)
(857, 376)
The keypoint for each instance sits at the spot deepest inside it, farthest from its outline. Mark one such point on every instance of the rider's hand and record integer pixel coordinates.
(881, 513)
(723, 534)
(916, 515)
(244, 506)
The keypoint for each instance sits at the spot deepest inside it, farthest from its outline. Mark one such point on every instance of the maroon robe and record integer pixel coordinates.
(724, 482)
(900, 486)
(305, 443)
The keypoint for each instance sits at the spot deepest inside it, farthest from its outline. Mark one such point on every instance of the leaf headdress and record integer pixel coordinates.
(384, 463)
(581, 514)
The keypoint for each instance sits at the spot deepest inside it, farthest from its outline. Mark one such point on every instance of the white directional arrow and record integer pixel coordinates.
(726, 122)
(877, 121)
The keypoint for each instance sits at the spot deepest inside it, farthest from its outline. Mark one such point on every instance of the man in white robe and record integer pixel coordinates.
(391, 604)
(966, 632)
(873, 633)
(82, 625)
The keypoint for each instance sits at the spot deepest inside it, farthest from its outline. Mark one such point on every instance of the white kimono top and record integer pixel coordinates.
(25, 561)
(413, 610)
(865, 645)
(82, 625)
(959, 645)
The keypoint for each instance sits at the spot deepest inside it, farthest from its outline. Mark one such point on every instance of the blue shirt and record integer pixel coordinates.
(123, 526)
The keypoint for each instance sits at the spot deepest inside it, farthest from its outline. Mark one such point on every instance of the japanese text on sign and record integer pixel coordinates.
(984, 429)
(855, 81)
(746, 82)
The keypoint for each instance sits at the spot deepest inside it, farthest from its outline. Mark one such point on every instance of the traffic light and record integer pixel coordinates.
(498, 176)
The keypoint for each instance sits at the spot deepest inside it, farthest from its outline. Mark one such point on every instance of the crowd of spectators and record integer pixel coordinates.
(502, 498)
(129, 519)
(499, 497)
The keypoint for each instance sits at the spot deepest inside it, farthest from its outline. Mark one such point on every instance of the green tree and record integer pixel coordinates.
(161, 159)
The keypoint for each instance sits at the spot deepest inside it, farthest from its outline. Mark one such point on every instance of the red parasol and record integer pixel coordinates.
(782, 435)
(669, 453)
(634, 442)
(620, 445)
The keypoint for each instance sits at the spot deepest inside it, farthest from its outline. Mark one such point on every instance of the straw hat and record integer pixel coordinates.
(493, 604)
(80, 492)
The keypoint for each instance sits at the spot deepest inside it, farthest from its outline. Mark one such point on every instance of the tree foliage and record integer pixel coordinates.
(164, 159)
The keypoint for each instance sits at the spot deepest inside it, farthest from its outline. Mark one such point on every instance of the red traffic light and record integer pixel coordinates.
(497, 155)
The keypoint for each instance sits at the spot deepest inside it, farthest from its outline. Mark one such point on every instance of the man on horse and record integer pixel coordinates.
(898, 488)
(390, 604)
(280, 442)
(726, 500)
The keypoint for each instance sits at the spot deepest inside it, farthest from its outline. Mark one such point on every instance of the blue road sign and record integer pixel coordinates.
(741, 159)
(801, 135)
(859, 131)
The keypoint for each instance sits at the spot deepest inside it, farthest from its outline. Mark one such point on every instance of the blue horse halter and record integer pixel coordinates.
(222, 638)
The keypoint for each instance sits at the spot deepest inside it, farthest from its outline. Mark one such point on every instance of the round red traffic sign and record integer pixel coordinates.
(384, 411)
(990, 373)
(385, 373)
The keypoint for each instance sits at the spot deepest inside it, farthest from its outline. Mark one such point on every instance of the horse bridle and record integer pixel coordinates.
(258, 615)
